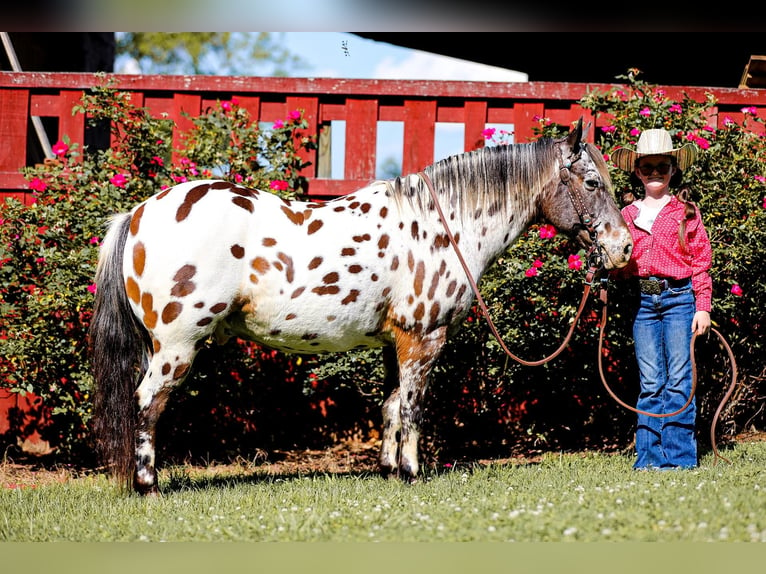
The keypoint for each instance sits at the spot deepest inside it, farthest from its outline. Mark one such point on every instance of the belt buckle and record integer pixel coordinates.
(651, 286)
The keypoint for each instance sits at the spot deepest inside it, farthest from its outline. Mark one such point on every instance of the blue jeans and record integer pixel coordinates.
(662, 336)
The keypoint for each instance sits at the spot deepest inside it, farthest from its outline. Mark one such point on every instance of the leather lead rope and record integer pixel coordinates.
(592, 270)
(480, 300)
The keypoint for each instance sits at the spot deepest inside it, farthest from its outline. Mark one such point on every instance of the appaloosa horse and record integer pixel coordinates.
(374, 268)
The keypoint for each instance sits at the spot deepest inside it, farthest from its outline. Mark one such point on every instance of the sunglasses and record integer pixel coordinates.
(648, 168)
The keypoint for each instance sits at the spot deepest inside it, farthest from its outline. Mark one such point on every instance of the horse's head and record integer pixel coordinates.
(581, 202)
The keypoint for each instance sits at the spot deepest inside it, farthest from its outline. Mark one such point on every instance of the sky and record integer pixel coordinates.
(344, 55)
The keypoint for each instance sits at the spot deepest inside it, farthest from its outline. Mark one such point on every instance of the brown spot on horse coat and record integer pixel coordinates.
(347, 251)
(150, 315)
(218, 308)
(351, 297)
(269, 242)
(135, 221)
(289, 269)
(131, 288)
(180, 371)
(315, 226)
(192, 197)
(139, 258)
(184, 285)
(237, 251)
(260, 265)
(171, 312)
(245, 204)
(419, 277)
(315, 262)
(295, 216)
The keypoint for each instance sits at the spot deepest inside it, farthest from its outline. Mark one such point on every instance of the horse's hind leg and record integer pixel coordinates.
(416, 353)
(167, 369)
(392, 422)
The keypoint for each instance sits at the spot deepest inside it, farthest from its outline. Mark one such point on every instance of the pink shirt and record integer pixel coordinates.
(660, 254)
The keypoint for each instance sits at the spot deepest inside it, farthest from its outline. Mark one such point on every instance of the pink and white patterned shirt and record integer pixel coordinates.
(659, 253)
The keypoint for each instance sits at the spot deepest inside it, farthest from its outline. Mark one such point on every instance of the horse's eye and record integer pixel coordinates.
(591, 184)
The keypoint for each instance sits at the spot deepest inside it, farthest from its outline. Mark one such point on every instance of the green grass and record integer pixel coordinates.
(586, 497)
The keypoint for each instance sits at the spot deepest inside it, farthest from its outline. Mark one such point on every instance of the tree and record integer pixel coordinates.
(219, 53)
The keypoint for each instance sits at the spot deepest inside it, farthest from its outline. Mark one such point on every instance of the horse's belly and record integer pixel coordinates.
(318, 328)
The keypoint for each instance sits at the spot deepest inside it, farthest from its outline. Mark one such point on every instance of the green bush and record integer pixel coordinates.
(483, 401)
(241, 398)
(48, 249)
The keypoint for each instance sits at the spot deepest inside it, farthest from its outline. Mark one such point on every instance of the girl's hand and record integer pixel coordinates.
(701, 322)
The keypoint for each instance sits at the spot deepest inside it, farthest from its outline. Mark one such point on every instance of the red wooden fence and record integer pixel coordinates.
(419, 105)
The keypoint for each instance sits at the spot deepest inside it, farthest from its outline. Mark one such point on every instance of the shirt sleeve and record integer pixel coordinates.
(701, 252)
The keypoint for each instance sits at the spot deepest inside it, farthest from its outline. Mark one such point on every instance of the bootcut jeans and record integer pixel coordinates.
(662, 336)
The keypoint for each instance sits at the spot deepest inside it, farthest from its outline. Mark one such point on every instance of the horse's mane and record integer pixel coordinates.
(601, 166)
(483, 182)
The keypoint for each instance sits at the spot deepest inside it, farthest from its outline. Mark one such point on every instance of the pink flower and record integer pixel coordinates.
(157, 160)
(675, 108)
(574, 261)
(226, 106)
(488, 133)
(40, 260)
(38, 184)
(608, 129)
(646, 112)
(295, 115)
(278, 185)
(749, 110)
(94, 240)
(702, 142)
(760, 178)
(537, 264)
(764, 202)
(92, 288)
(727, 121)
(60, 148)
(736, 290)
(531, 272)
(635, 131)
(234, 101)
(547, 231)
(279, 124)
(708, 128)
(119, 180)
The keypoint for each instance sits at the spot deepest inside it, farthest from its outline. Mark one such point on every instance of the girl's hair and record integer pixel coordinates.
(683, 194)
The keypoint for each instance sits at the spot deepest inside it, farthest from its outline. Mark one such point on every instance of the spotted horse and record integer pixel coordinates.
(374, 268)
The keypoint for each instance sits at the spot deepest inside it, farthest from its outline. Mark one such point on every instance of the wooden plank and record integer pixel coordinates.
(183, 104)
(72, 125)
(14, 118)
(419, 131)
(475, 122)
(309, 107)
(526, 119)
(361, 138)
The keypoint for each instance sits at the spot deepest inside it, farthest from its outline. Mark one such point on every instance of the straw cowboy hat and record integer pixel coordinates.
(654, 142)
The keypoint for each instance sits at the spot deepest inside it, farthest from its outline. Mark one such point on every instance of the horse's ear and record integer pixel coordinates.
(575, 137)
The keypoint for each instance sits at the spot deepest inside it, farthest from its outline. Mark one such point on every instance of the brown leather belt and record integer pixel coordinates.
(656, 285)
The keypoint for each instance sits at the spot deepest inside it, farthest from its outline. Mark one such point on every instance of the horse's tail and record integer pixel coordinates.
(116, 342)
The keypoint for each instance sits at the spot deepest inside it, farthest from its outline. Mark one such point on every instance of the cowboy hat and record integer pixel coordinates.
(654, 142)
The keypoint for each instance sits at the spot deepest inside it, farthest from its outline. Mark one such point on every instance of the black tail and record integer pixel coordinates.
(117, 342)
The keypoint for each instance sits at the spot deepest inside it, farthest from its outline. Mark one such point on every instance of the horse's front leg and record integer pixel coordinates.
(165, 371)
(416, 353)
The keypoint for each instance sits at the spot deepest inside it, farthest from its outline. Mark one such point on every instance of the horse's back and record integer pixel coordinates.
(299, 276)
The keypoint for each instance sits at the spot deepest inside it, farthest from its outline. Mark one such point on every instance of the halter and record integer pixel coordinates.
(595, 260)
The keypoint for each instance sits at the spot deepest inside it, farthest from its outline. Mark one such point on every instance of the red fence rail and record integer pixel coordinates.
(361, 104)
